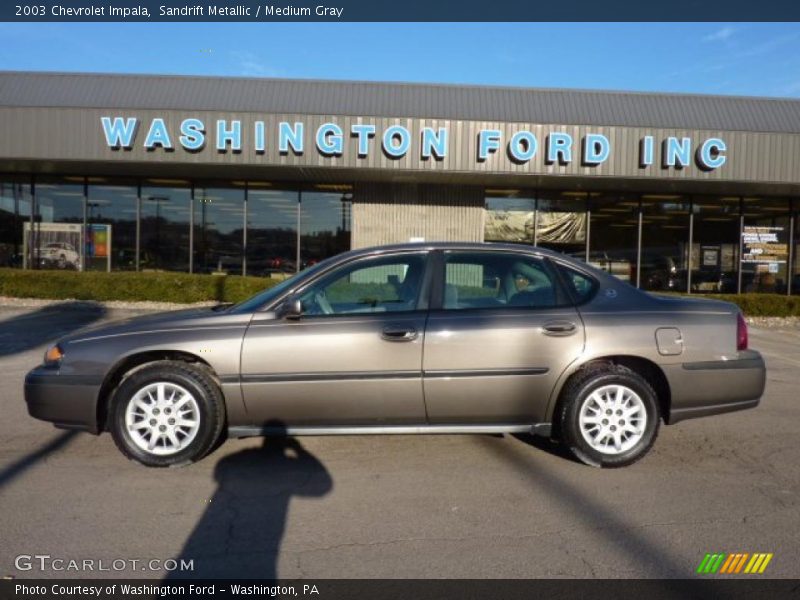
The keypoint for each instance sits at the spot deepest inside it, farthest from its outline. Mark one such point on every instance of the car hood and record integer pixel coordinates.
(162, 321)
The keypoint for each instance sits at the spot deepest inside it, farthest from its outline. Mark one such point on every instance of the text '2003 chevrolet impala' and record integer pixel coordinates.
(416, 338)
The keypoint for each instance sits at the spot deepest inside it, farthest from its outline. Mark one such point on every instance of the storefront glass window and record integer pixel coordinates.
(271, 230)
(665, 243)
(614, 239)
(15, 209)
(765, 245)
(218, 229)
(509, 216)
(324, 223)
(165, 224)
(561, 222)
(55, 241)
(795, 289)
(715, 245)
(110, 236)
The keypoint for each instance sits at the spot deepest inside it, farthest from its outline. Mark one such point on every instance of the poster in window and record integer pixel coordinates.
(764, 245)
(53, 246)
(711, 255)
(509, 226)
(561, 228)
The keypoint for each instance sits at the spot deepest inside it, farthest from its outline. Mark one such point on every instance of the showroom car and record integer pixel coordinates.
(414, 338)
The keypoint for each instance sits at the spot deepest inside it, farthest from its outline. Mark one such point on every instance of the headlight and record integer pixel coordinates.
(53, 356)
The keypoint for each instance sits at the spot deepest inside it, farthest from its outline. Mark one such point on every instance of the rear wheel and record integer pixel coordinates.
(610, 416)
(168, 413)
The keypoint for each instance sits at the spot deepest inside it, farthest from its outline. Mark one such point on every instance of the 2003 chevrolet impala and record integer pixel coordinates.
(416, 338)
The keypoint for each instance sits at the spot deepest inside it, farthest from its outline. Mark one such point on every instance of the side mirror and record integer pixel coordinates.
(293, 308)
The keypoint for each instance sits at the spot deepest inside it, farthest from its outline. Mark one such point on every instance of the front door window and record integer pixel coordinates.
(387, 284)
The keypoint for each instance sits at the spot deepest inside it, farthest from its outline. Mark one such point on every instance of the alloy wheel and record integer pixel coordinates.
(613, 419)
(162, 418)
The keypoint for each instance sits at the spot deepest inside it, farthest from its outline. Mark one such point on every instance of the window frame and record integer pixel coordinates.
(439, 264)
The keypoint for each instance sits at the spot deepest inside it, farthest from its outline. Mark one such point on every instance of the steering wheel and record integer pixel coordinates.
(321, 300)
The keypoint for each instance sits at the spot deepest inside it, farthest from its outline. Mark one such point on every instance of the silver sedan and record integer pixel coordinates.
(415, 338)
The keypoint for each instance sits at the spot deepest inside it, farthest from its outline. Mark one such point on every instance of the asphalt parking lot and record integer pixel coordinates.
(399, 506)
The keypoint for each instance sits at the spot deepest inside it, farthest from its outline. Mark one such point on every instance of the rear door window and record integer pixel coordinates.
(475, 280)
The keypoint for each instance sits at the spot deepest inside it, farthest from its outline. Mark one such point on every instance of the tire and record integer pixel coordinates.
(175, 402)
(598, 438)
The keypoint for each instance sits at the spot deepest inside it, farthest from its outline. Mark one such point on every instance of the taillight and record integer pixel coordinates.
(741, 333)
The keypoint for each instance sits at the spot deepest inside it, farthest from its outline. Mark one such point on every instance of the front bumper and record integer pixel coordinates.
(67, 401)
(700, 389)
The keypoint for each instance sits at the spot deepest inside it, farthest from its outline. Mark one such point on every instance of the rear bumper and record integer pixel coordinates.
(701, 389)
(69, 402)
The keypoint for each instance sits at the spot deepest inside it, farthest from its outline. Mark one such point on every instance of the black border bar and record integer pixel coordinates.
(746, 587)
(265, 11)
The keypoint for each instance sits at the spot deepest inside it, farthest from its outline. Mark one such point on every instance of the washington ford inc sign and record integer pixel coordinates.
(397, 141)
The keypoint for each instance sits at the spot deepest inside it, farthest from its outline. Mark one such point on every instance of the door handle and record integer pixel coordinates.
(399, 334)
(559, 328)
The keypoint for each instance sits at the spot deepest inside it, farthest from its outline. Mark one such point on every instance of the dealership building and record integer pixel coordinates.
(266, 176)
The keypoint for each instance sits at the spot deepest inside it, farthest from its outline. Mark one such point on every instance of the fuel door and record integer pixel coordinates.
(669, 341)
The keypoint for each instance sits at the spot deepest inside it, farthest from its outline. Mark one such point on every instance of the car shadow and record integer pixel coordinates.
(239, 535)
(548, 445)
(17, 468)
(20, 333)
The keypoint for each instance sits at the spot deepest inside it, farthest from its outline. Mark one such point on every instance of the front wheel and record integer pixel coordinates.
(168, 413)
(610, 416)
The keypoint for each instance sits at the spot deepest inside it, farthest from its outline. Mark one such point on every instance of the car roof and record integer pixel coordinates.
(478, 246)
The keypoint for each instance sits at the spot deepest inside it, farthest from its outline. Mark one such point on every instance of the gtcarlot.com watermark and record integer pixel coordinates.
(48, 563)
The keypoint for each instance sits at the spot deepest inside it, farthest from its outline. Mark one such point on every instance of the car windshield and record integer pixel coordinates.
(269, 295)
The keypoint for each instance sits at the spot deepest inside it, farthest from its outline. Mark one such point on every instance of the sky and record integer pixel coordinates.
(753, 59)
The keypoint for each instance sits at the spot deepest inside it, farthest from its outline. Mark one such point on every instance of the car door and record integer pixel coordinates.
(500, 332)
(354, 355)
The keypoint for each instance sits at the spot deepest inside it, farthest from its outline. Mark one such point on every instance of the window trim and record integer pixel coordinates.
(440, 276)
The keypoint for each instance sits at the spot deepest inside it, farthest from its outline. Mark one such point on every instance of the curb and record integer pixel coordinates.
(7, 302)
